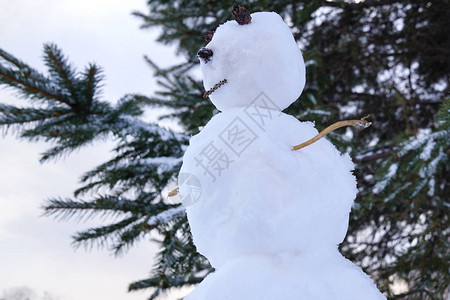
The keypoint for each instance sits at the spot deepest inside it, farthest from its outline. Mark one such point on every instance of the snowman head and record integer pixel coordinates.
(254, 54)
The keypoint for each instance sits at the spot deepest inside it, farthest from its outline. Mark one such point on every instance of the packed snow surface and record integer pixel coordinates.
(268, 218)
(268, 198)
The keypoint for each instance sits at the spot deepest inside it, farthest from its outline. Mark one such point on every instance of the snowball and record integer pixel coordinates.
(260, 196)
(320, 275)
(258, 57)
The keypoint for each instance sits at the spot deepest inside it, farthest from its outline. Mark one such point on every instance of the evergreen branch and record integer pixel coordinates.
(22, 67)
(55, 152)
(143, 206)
(128, 125)
(93, 186)
(129, 105)
(27, 86)
(61, 70)
(11, 115)
(125, 171)
(128, 237)
(357, 5)
(90, 82)
(11, 59)
(156, 102)
(171, 282)
(167, 216)
(101, 235)
(68, 130)
(67, 208)
(373, 155)
(142, 284)
(122, 234)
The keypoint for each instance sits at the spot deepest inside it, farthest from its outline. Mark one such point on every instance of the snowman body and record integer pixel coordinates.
(268, 218)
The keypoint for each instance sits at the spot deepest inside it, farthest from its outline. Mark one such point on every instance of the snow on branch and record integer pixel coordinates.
(163, 164)
(167, 216)
(420, 141)
(381, 185)
(129, 124)
(371, 155)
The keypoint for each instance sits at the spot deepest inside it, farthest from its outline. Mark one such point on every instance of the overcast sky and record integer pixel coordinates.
(36, 251)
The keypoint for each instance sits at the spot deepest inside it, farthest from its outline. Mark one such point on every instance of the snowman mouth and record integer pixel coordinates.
(214, 88)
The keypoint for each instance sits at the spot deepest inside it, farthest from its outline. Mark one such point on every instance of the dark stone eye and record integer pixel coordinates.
(208, 36)
(205, 54)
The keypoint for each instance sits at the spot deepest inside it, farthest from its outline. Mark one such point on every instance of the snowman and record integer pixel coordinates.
(268, 218)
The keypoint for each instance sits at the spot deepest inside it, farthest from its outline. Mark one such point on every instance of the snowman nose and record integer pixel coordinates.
(205, 54)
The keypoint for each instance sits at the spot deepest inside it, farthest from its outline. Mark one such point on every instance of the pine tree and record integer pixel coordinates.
(383, 57)
(66, 110)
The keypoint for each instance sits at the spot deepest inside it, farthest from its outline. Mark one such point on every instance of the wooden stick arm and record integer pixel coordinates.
(361, 123)
(173, 192)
